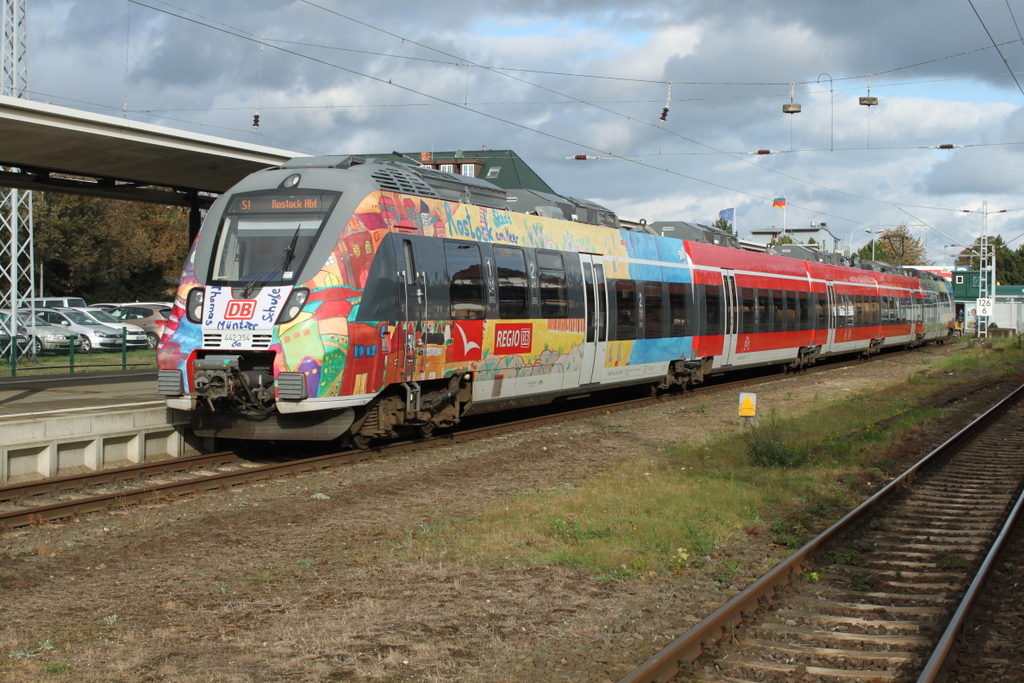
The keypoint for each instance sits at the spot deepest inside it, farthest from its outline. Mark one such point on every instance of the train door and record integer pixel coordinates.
(595, 296)
(830, 315)
(731, 318)
(413, 293)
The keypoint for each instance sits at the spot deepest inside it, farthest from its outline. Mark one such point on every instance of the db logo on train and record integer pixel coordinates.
(239, 309)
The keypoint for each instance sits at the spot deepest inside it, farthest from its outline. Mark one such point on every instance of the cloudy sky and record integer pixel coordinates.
(555, 79)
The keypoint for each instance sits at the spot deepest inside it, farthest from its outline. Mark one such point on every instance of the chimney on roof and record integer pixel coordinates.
(425, 157)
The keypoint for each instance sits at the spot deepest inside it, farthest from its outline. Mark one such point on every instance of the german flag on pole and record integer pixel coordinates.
(779, 203)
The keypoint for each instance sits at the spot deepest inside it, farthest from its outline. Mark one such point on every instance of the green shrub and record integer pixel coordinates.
(767, 446)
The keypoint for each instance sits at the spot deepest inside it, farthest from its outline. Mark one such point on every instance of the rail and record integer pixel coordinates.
(678, 656)
(947, 649)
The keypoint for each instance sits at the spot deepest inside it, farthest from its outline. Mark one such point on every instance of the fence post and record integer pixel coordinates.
(124, 348)
(71, 351)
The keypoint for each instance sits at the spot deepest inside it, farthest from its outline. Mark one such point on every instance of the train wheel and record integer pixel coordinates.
(652, 390)
(424, 431)
(360, 441)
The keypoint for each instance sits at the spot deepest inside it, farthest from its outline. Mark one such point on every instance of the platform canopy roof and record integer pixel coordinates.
(49, 148)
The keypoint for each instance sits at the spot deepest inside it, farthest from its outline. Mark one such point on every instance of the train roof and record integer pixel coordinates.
(503, 167)
(681, 230)
(424, 181)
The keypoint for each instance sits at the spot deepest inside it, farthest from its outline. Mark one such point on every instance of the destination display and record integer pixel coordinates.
(273, 203)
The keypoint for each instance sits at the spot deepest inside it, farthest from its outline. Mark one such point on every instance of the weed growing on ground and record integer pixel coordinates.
(44, 646)
(569, 528)
(847, 556)
(769, 445)
(677, 510)
(948, 560)
(863, 580)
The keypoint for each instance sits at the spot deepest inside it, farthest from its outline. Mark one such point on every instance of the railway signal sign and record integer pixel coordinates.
(748, 409)
(748, 405)
(984, 307)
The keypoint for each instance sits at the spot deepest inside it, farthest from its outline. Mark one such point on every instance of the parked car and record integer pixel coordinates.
(5, 337)
(136, 335)
(150, 317)
(52, 302)
(92, 334)
(40, 335)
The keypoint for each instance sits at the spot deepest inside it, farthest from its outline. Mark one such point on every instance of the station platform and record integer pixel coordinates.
(21, 395)
(67, 425)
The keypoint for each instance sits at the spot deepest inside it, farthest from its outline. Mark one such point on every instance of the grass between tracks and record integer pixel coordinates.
(682, 507)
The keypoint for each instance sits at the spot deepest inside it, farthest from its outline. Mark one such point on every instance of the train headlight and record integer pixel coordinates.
(194, 304)
(293, 305)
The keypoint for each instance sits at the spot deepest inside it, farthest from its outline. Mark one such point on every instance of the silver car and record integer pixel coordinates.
(137, 338)
(41, 335)
(90, 334)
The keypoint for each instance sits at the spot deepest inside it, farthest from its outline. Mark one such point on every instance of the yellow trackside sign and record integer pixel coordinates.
(748, 405)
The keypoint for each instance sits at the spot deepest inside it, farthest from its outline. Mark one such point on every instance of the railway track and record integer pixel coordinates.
(868, 599)
(51, 499)
(984, 645)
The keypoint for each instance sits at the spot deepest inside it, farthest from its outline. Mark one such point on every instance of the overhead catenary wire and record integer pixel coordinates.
(998, 50)
(241, 34)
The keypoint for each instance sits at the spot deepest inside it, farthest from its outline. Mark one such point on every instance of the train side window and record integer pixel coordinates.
(465, 280)
(764, 302)
(677, 295)
(654, 327)
(625, 310)
(779, 308)
(513, 300)
(713, 309)
(791, 312)
(554, 299)
(748, 311)
(804, 316)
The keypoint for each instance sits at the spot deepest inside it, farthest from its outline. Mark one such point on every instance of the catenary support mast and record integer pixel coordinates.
(17, 262)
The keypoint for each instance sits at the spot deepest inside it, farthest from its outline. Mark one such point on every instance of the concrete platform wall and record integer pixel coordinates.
(57, 444)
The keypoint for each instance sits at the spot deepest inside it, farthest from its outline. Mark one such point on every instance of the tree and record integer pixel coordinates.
(1009, 262)
(781, 239)
(108, 250)
(880, 253)
(897, 247)
(722, 224)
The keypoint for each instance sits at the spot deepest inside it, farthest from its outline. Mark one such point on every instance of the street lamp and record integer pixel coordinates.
(873, 232)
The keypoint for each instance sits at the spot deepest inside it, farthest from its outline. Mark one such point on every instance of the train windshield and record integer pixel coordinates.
(266, 238)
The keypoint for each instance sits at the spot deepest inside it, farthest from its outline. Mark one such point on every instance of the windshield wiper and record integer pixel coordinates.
(289, 253)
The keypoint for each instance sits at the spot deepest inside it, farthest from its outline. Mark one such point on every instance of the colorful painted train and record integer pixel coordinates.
(344, 298)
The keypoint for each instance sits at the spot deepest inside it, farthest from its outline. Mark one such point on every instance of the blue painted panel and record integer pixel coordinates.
(660, 350)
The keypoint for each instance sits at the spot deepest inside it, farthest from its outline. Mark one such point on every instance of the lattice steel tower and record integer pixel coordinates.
(17, 262)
